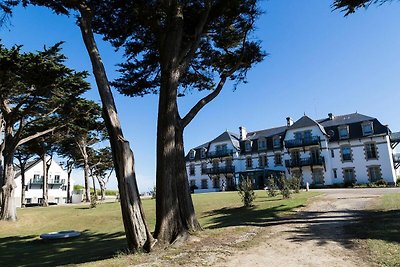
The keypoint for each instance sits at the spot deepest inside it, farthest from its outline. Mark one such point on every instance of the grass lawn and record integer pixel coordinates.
(381, 230)
(102, 231)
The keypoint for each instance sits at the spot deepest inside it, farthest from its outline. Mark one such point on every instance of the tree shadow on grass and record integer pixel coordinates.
(33, 251)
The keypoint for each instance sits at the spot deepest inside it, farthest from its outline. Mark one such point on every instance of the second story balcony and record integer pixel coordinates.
(39, 181)
(310, 141)
(309, 161)
(36, 181)
(220, 153)
(218, 170)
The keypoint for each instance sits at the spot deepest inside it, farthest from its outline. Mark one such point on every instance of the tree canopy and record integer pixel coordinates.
(350, 6)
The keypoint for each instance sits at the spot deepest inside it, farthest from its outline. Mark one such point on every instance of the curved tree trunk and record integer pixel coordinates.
(45, 195)
(136, 229)
(86, 175)
(69, 185)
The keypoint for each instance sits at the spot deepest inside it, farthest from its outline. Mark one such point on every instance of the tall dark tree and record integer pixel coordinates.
(172, 48)
(34, 88)
(24, 155)
(350, 6)
(136, 229)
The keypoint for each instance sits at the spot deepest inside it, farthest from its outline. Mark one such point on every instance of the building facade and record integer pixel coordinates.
(345, 149)
(57, 184)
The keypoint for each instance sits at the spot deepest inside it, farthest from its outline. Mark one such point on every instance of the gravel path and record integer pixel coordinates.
(316, 236)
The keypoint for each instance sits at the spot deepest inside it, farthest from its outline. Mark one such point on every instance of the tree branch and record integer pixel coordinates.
(29, 138)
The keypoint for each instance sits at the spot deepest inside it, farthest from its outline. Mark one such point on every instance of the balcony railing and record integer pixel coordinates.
(304, 162)
(313, 140)
(51, 181)
(217, 170)
(220, 153)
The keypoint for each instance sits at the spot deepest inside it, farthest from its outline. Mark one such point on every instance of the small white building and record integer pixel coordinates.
(57, 184)
(345, 149)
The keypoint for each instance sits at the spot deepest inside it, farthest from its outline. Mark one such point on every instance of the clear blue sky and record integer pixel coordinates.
(319, 62)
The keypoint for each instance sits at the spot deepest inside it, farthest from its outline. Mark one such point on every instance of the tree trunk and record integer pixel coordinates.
(136, 229)
(86, 173)
(175, 214)
(102, 187)
(94, 187)
(45, 199)
(69, 200)
(8, 205)
(189, 219)
(23, 182)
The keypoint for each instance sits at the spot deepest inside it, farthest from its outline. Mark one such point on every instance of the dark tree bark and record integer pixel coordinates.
(69, 171)
(23, 182)
(136, 229)
(45, 194)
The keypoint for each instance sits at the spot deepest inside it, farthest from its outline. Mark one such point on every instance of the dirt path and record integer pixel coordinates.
(316, 236)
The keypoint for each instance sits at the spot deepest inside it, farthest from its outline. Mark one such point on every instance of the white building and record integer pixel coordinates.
(345, 149)
(57, 184)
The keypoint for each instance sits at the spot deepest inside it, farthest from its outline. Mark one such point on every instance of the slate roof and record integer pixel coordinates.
(345, 119)
(267, 132)
(28, 166)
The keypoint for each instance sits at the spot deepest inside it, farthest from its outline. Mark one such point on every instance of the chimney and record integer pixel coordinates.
(289, 121)
(331, 116)
(243, 133)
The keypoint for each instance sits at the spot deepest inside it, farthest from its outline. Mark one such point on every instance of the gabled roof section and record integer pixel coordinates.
(28, 166)
(345, 119)
(267, 132)
(227, 136)
(306, 121)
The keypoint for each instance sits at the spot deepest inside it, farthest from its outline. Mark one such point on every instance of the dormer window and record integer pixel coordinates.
(343, 132)
(203, 153)
(276, 141)
(192, 154)
(367, 128)
(248, 146)
(262, 144)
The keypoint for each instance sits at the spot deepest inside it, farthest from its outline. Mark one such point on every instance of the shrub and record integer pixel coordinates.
(246, 192)
(154, 193)
(398, 181)
(271, 187)
(284, 187)
(381, 183)
(295, 184)
(93, 201)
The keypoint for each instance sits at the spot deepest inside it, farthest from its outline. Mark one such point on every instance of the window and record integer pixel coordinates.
(346, 153)
(192, 170)
(367, 128)
(248, 146)
(370, 151)
(276, 142)
(215, 164)
(57, 179)
(348, 175)
(26, 187)
(203, 167)
(262, 144)
(203, 153)
(374, 173)
(315, 155)
(204, 184)
(40, 200)
(191, 154)
(222, 148)
(64, 188)
(249, 163)
(332, 153)
(334, 173)
(343, 132)
(307, 135)
(192, 182)
(28, 200)
(57, 199)
(262, 161)
(278, 159)
(215, 182)
(295, 156)
(318, 177)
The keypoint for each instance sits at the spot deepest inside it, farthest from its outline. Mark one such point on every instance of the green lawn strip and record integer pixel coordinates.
(102, 231)
(382, 230)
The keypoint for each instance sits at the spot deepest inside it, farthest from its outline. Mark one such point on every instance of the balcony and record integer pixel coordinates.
(305, 162)
(36, 181)
(313, 140)
(220, 153)
(218, 170)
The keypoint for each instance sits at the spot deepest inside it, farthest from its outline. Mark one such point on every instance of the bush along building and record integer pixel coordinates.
(338, 150)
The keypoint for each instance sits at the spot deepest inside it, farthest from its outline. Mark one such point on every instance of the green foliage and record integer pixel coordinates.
(271, 187)
(246, 192)
(295, 183)
(154, 193)
(379, 183)
(93, 201)
(284, 187)
(350, 6)
(78, 187)
(398, 181)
